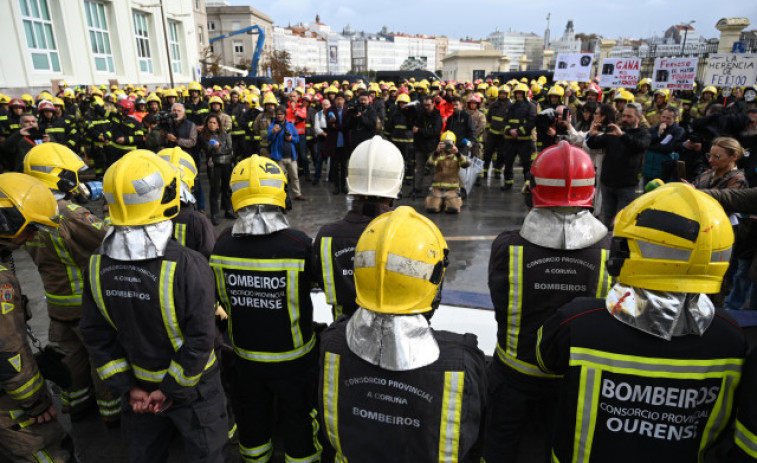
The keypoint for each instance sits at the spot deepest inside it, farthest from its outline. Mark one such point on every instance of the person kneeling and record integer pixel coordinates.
(445, 189)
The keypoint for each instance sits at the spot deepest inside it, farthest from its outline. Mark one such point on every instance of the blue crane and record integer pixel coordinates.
(258, 47)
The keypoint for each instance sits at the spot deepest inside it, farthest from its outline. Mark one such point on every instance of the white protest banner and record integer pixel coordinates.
(573, 66)
(731, 70)
(620, 72)
(674, 73)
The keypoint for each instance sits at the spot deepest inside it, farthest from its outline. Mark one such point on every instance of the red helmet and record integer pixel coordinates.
(469, 86)
(127, 104)
(319, 96)
(17, 102)
(307, 97)
(562, 175)
(45, 105)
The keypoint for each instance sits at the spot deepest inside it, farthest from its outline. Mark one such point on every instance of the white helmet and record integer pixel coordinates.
(376, 168)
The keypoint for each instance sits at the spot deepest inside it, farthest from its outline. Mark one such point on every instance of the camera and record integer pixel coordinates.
(448, 145)
(164, 118)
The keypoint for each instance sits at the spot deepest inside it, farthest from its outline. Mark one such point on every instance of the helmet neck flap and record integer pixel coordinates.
(259, 219)
(567, 228)
(138, 242)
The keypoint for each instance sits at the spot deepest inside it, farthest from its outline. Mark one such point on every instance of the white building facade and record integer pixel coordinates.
(96, 42)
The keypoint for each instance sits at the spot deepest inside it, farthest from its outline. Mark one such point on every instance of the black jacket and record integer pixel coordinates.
(624, 155)
(362, 127)
(461, 124)
(429, 129)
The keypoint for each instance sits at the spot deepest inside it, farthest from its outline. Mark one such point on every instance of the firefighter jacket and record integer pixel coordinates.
(496, 116)
(264, 282)
(628, 396)
(150, 323)
(132, 131)
(479, 124)
(447, 169)
(333, 254)
(196, 112)
(528, 283)
(236, 111)
(260, 127)
(745, 434)
(19, 377)
(61, 131)
(427, 414)
(193, 230)
(521, 116)
(310, 123)
(399, 126)
(10, 125)
(62, 257)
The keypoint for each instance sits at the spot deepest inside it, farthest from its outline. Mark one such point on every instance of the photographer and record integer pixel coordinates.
(427, 126)
(363, 118)
(283, 139)
(215, 144)
(624, 148)
(554, 126)
(17, 145)
(445, 189)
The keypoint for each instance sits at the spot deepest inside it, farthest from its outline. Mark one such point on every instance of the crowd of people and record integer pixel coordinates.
(610, 332)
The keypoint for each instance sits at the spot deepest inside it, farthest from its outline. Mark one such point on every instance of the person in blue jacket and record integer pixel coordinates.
(283, 140)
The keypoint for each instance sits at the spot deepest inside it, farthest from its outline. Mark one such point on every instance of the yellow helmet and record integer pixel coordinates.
(153, 97)
(400, 260)
(662, 92)
(170, 92)
(541, 80)
(449, 136)
(26, 98)
(257, 180)
(58, 102)
(645, 81)
(25, 200)
(535, 88)
(270, 99)
(624, 95)
(194, 86)
(216, 99)
(674, 238)
(4, 99)
(481, 86)
(403, 98)
(521, 87)
(45, 95)
(182, 161)
(141, 189)
(711, 89)
(556, 90)
(55, 165)
(492, 92)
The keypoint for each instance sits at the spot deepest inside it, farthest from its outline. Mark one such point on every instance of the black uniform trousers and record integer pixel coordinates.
(293, 395)
(220, 176)
(518, 407)
(409, 157)
(338, 169)
(494, 143)
(521, 148)
(203, 425)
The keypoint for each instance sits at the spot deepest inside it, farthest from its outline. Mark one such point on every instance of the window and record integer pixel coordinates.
(238, 47)
(173, 44)
(99, 38)
(479, 74)
(212, 50)
(197, 5)
(40, 39)
(143, 42)
(211, 25)
(200, 35)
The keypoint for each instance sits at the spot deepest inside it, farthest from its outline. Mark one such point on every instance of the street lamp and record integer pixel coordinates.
(685, 33)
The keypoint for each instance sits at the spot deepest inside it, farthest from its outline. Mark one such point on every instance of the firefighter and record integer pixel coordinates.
(650, 371)
(399, 129)
(190, 227)
(262, 122)
(263, 272)
(237, 109)
(521, 118)
(473, 108)
(392, 388)
(374, 178)
(62, 256)
(445, 188)
(29, 430)
(560, 242)
(195, 107)
(496, 119)
(148, 317)
(125, 133)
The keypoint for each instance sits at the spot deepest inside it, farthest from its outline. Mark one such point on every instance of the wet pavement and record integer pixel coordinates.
(487, 212)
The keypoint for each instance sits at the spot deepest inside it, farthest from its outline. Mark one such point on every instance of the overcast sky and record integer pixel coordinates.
(610, 18)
